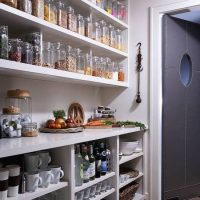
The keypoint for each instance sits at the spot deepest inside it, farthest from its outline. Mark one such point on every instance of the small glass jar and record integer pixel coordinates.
(104, 32)
(15, 50)
(27, 53)
(61, 14)
(115, 8)
(60, 56)
(71, 19)
(25, 5)
(3, 42)
(102, 67)
(115, 70)
(88, 64)
(12, 3)
(50, 11)
(48, 55)
(96, 66)
(88, 27)
(108, 6)
(80, 68)
(29, 129)
(37, 55)
(119, 44)
(112, 36)
(38, 8)
(80, 24)
(121, 74)
(97, 32)
(70, 59)
(121, 11)
(108, 69)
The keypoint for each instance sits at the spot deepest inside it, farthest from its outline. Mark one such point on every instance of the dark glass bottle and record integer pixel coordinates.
(86, 165)
(92, 163)
(97, 163)
(78, 167)
(103, 159)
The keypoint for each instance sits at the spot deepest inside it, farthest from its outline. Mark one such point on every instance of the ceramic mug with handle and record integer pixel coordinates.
(33, 181)
(57, 172)
(46, 176)
(32, 162)
(45, 159)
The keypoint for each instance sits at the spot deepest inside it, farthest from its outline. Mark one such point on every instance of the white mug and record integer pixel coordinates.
(45, 159)
(57, 172)
(13, 183)
(4, 173)
(47, 177)
(32, 162)
(32, 181)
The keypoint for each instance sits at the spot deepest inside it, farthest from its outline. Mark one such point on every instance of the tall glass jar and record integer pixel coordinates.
(48, 55)
(102, 67)
(88, 64)
(27, 53)
(61, 14)
(97, 32)
(108, 6)
(60, 56)
(71, 19)
(121, 11)
(114, 8)
(115, 70)
(112, 36)
(80, 68)
(37, 55)
(3, 42)
(96, 66)
(119, 44)
(25, 5)
(80, 24)
(15, 50)
(109, 69)
(104, 32)
(121, 74)
(50, 11)
(88, 27)
(12, 3)
(38, 8)
(70, 59)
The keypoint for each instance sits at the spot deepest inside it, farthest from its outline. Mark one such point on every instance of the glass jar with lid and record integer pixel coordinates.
(104, 32)
(121, 11)
(108, 6)
(50, 11)
(27, 53)
(70, 59)
(115, 8)
(15, 50)
(88, 64)
(59, 56)
(102, 67)
(37, 55)
(97, 32)
(88, 27)
(25, 5)
(96, 66)
(121, 74)
(3, 42)
(71, 19)
(119, 44)
(80, 68)
(38, 8)
(109, 69)
(30, 129)
(12, 3)
(80, 24)
(48, 55)
(61, 14)
(115, 70)
(112, 36)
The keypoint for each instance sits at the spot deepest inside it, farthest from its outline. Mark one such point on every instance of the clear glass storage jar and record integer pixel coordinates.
(112, 36)
(104, 32)
(25, 5)
(70, 59)
(50, 11)
(97, 32)
(108, 6)
(38, 8)
(121, 74)
(27, 53)
(121, 11)
(115, 70)
(71, 19)
(119, 43)
(80, 68)
(97, 69)
(3, 42)
(102, 67)
(88, 64)
(48, 55)
(59, 56)
(37, 57)
(61, 14)
(15, 50)
(108, 69)
(12, 3)
(88, 27)
(29, 129)
(80, 24)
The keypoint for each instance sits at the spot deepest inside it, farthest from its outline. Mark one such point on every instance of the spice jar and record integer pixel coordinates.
(80, 24)
(12, 3)
(70, 59)
(121, 74)
(25, 5)
(15, 50)
(112, 36)
(104, 32)
(88, 27)
(88, 64)
(27, 53)
(119, 44)
(48, 55)
(71, 19)
(61, 15)
(59, 56)
(38, 8)
(121, 11)
(50, 11)
(3, 42)
(97, 32)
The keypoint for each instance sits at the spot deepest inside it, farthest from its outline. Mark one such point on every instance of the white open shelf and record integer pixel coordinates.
(139, 197)
(17, 69)
(54, 33)
(104, 194)
(97, 180)
(40, 192)
(130, 180)
(125, 159)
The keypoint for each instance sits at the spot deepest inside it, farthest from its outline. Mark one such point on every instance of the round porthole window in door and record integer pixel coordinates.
(186, 70)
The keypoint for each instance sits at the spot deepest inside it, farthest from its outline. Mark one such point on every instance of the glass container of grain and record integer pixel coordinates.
(15, 50)
(60, 56)
(12, 3)
(50, 11)
(61, 14)
(48, 55)
(38, 8)
(25, 5)
(88, 27)
(70, 59)
(88, 64)
(3, 42)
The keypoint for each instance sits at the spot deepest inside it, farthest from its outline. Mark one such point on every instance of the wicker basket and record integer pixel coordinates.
(128, 192)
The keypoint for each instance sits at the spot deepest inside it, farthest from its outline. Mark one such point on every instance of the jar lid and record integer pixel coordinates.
(18, 93)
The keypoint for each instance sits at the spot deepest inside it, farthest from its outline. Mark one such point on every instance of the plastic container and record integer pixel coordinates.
(50, 11)
(104, 32)
(60, 56)
(61, 14)
(80, 24)
(38, 8)
(15, 50)
(3, 42)
(97, 32)
(71, 19)
(70, 59)
(47, 55)
(112, 36)
(88, 64)
(12, 3)
(27, 53)
(25, 5)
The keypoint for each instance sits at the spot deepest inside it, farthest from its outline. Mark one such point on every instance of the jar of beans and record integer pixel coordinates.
(48, 55)
(70, 59)
(71, 19)
(59, 56)
(38, 8)
(80, 24)
(3, 42)
(15, 50)
(27, 53)
(25, 5)
(12, 3)
(50, 11)
(61, 14)
(88, 27)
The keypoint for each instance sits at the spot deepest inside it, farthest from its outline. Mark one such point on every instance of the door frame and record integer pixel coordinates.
(156, 91)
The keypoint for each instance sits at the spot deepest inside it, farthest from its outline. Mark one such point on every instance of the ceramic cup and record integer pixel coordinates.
(4, 173)
(13, 181)
(57, 172)
(45, 159)
(46, 176)
(32, 162)
(33, 181)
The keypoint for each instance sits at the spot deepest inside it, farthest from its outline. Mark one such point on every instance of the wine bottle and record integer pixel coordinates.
(103, 159)
(78, 166)
(86, 165)
(97, 163)
(92, 163)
